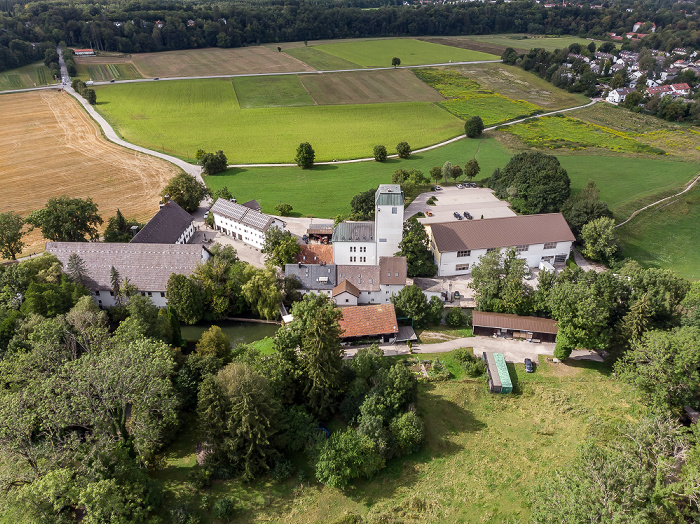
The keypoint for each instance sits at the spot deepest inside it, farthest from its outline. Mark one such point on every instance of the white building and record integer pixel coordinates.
(618, 95)
(457, 246)
(374, 284)
(171, 225)
(364, 243)
(147, 266)
(243, 223)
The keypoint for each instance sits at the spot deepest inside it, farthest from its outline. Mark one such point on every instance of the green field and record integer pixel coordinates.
(527, 42)
(483, 454)
(319, 60)
(466, 98)
(275, 91)
(667, 235)
(378, 53)
(107, 72)
(28, 76)
(180, 117)
(326, 191)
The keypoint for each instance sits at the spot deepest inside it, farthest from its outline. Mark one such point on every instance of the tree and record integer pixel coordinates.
(580, 209)
(411, 302)
(222, 192)
(186, 191)
(214, 342)
(65, 219)
(403, 150)
(415, 246)
(618, 80)
(533, 182)
(281, 247)
(633, 99)
(447, 170)
(262, 292)
(11, 234)
(591, 47)
(283, 209)
(76, 269)
(119, 229)
(474, 127)
(345, 456)
(509, 56)
(599, 239)
(213, 163)
(456, 172)
(185, 297)
(305, 156)
(380, 153)
(238, 417)
(89, 95)
(471, 169)
(362, 204)
(497, 281)
(691, 306)
(396, 61)
(436, 173)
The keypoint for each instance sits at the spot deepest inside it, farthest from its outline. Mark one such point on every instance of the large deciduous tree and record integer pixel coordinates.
(415, 246)
(186, 191)
(65, 219)
(474, 127)
(599, 239)
(11, 225)
(497, 281)
(403, 150)
(471, 169)
(411, 302)
(262, 292)
(362, 205)
(185, 297)
(305, 156)
(213, 163)
(583, 207)
(281, 247)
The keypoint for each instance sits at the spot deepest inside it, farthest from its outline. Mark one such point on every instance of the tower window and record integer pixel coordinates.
(393, 211)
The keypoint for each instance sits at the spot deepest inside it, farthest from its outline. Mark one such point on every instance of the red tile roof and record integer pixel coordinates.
(315, 254)
(366, 321)
(344, 287)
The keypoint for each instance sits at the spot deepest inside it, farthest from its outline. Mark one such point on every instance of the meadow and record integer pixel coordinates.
(483, 454)
(191, 114)
(50, 147)
(378, 53)
(31, 75)
(526, 42)
(318, 59)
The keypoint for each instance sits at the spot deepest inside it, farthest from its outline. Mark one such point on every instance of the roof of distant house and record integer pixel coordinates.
(252, 204)
(680, 87)
(354, 232)
(501, 232)
(346, 287)
(315, 254)
(313, 276)
(166, 227)
(392, 270)
(507, 321)
(242, 214)
(147, 266)
(367, 321)
(659, 89)
(364, 278)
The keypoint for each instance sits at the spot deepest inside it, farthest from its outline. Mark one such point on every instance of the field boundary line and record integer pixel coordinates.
(688, 187)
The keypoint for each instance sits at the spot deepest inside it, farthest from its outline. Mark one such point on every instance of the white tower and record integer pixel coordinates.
(388, 217)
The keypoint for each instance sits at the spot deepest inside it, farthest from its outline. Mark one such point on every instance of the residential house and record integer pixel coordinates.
(171, 225)
(457, 246)
(373, 284)
(147, 266)
(369, 322)
(617, 96)
(314, 278)
(315, 254)
(242, 222)
(680, 89)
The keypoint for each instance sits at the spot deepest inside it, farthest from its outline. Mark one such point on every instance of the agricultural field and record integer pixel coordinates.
(271, 91)
(50, 147)
(483, 454)
(378, 53)
(318, 59)
(466, 98)
(107, 71)
(182, 114)
(32, 75)
(520, 42)
(667, 235)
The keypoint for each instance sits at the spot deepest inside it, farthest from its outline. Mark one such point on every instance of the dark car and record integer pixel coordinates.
(156, 78)
(467, 215)
(528, 366)
(457, 215)
(112, 80)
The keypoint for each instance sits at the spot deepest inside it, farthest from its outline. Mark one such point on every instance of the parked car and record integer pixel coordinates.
(472, 184)
(112, 80)
(457, 215)
(529, 368)
(428, 213)
(459, 186)
(156, 78)
(437, 188)
(467, 215)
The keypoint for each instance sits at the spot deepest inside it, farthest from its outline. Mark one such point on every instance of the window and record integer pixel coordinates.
(97, 293)
(382, 239)
(559, 258)
(111, 293)
(371, 281)
(520, 249)
(393, 211)
(347, 300)
(397, 274)
(465, 253)
(461, 267)
(162, 294)
(550, 245)
(149, 294)
(491, 250)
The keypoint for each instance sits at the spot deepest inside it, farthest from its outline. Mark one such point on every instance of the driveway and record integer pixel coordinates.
(480, 202)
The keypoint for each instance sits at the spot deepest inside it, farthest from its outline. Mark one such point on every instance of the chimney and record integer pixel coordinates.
(135, 229)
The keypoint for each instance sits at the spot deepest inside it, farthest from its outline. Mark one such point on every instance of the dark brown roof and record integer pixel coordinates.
(392, 270)
(364, 278)
(344, 287)
(315, 254)
(252, 204)
(366, 321)
(147, 266)
(320, 229)
(515, 322)
(501, 232)
(166, 227)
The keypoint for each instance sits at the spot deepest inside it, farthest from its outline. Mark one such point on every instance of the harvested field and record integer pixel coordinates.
(320, 60)
(216, 61)
(464, 42)
(50, 147)
(524, 42)
(368, 87)
(32, 75)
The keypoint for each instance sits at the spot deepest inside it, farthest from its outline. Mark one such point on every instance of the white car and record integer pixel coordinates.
(459, 186)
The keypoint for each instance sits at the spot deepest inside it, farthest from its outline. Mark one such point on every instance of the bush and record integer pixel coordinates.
(199, 478)
(183, 514)
(438, 372)
(473, 127)
(456, 318)
(284, 209)
(223, 507)
(305, 156)
(282, 470)
(431, 201)
(408, 432)
(403, 150)
(380, 153)
(473, 366)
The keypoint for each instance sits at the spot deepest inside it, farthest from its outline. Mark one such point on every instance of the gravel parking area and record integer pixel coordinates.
(477, 201)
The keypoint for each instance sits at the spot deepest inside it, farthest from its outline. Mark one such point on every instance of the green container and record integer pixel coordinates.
(502, 367)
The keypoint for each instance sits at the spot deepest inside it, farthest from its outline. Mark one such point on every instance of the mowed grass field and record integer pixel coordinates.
(378, 53)
(483, 454)
(31, 75)
(318, 59)
(50, 147)
(180, 117)
(526, 42)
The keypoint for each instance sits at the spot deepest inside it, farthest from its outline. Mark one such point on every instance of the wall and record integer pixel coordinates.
(343, 253)
(242, 232)
(388, 227)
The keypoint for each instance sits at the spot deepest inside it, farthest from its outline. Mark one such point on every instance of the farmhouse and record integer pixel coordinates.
(171, 225)
(514, 326)
(147, 266)
(370, 284)
(356, 243)
(457, 246)
(314, 278)
(83, 52)
(369, 322)
(242, 222)
(315, 254)
(618, 95)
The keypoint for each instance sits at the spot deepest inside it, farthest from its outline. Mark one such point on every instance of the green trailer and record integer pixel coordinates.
(497, 369)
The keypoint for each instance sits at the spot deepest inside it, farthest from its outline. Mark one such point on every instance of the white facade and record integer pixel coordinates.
(345, 299)
(355, 253)
(388, 219)
(106, 299)
(186, 234)
(243, 223)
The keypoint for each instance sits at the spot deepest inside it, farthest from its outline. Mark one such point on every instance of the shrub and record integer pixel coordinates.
(473, 366)
(438, 372)
(282, 470)
(456, 318)
(408, 431)
(223, 507)
(305, 155)
(431, 201)
(199, 478)
(403, 150)
(473, 127)
(283, 209)
(380, 153)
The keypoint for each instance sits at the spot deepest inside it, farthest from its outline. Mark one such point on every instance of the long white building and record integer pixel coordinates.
(242, 222)
(457, 246)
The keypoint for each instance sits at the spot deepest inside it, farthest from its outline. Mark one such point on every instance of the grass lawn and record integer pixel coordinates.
(325, 191)
(27, 76)
(527, 42)
(483, 454)
(319, 60)
(378, 53)
(667, 236)
(275, 91)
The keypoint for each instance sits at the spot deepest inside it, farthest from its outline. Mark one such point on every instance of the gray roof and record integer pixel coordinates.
(242, 214)
(354, 232)
(252, 204)
(360, 276)
(389, 195)
(166, 227)
(147, 266)
(313, 276)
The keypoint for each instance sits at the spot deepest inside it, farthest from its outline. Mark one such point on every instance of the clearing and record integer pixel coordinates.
(482, 456)
(378, 53)
(182, 114)
(50, 147)
(32, 75)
